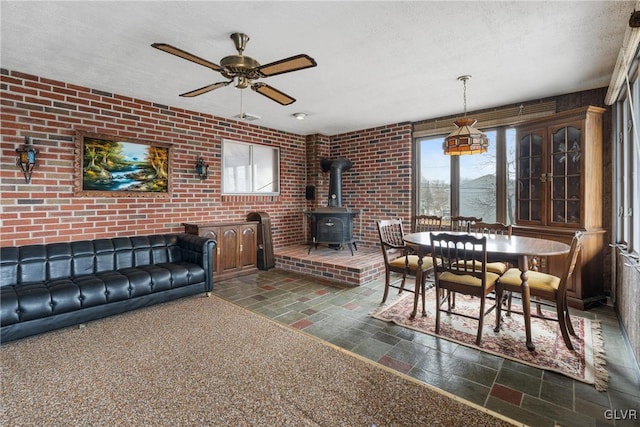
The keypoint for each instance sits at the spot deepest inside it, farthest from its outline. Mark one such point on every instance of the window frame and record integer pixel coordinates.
(626, 160)
(502, 175)
(252, 167)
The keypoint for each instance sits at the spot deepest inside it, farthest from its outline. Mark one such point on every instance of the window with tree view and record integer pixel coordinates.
(479, 185)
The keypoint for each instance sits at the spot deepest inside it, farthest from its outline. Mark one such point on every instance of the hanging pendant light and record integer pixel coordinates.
(465, 139)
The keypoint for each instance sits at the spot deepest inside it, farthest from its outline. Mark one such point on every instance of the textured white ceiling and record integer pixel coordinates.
(379, 62)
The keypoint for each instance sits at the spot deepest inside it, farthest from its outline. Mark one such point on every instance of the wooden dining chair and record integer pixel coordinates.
(398, 257)
(493, 229)
(423, 223)
(462, 268)
(546, 288)
(463, 223)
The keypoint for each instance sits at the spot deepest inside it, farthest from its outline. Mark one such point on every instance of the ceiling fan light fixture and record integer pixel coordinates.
(300, 116)
(465, 139)
(243, 82)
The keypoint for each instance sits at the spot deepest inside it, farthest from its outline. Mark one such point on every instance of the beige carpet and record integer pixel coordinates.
(206, 362)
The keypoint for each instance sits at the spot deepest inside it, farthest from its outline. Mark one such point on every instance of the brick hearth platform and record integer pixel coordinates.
(364, 266)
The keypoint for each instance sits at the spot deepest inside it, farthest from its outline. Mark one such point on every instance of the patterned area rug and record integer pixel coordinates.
(585, 363)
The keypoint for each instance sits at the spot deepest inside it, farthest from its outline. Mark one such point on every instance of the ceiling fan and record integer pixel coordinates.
(244, 69)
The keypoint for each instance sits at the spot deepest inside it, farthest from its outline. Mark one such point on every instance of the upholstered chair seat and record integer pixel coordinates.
(469, 280)
(536, 280)
(411, 263)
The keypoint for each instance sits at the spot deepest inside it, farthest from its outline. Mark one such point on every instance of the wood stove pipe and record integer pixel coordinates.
(335, 169)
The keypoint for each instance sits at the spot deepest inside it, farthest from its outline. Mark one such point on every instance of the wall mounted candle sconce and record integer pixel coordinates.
(27, 158)
(202, 168)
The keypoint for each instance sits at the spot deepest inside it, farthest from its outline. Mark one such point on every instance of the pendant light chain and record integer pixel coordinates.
(241, 114)
(464, 91)
(464, 95)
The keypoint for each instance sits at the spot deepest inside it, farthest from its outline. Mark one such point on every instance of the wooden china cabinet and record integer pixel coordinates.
(559, 191)
(236, 251)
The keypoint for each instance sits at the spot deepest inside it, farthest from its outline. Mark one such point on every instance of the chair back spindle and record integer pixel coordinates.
(463, 223)
(422, 223)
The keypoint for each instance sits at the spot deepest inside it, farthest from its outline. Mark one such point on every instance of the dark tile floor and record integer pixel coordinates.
(340, 315)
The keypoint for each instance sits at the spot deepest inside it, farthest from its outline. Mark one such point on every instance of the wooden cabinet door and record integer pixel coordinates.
(564, 175)
(248, 246)
(530, 173)
(229, 249)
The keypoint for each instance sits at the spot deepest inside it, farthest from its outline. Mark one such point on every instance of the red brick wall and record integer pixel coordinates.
(46, 210)
(379, 182)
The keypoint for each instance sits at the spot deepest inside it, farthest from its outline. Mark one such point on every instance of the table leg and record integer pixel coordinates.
(526, 300)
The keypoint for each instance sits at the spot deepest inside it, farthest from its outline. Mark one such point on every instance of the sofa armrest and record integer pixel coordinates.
(199, 250)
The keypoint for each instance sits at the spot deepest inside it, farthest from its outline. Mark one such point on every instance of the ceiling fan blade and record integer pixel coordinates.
(186, 55)
(273, 93)
(295, 63)
(205, 89)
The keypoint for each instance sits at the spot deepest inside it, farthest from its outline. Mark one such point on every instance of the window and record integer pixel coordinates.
(480, 185)
(250, 168)
(627, 165)
(434, 195)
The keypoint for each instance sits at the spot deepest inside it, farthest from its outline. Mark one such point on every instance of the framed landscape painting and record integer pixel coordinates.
(111, 166)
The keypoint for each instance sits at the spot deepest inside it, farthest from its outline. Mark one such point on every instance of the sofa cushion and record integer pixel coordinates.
(161, 277)
(184, 273)
(34, 301)
(65, 296)
(116, 285)
(9, 302)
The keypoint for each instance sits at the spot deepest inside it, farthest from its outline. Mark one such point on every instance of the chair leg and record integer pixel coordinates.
(568, 318)
(498, 307)
(539, 309)
(387, 277)
(480, 321)
(439, 301)
(423, 289)
(563, 324)
(404, 278)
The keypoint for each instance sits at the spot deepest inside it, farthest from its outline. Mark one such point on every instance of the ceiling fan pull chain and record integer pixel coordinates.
(241, 115)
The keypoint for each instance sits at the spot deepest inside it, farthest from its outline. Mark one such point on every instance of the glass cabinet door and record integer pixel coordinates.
(564, 176)
(529, 177)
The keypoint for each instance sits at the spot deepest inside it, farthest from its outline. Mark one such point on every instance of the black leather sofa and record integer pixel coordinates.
(51, 286)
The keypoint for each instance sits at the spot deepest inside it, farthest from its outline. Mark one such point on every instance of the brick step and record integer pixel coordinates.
(364, 266)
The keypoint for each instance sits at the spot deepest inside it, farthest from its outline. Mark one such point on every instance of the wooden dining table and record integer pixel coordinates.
(499, 248)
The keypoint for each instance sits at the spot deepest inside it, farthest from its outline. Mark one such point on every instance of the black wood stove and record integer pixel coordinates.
(333, 225)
